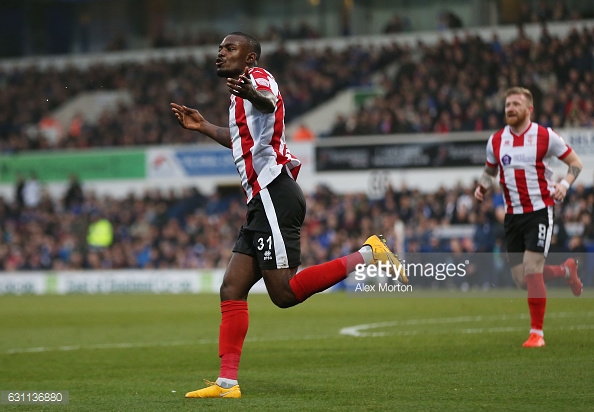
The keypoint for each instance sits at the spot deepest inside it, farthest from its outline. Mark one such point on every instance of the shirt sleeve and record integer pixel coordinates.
(491, 160)
(557, 146)
(261, 80)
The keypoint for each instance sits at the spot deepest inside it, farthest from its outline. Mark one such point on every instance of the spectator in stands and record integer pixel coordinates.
(100, 235)
(32, 191)
(587, 223)
(303, 134)
(73, 198)
(397, 24)
(576, 246)
(448, 20)
(339, 128)
(18, 191)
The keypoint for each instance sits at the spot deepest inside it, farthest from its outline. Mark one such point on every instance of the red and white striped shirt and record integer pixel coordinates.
(523, 161)
(258, 139)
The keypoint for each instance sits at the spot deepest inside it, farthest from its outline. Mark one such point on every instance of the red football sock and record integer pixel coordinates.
(537, 299)
(553, 272)
(317, 278)
(234, 327)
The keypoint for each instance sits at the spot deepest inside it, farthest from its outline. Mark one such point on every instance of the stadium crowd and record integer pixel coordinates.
(459, 86)
(167, 229)
(30, 95)
(452, 86)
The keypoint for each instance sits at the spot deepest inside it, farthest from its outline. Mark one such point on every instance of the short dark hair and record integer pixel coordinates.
(252, 41)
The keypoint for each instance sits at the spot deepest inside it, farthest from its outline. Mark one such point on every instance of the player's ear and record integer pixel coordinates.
(251, 59)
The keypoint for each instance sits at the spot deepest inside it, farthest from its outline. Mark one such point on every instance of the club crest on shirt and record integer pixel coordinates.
(263, 82)
(530, 140)
(506, 160)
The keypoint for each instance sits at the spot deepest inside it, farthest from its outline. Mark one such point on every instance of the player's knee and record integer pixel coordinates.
(224, 287)
(529, 269)
(519, 279)
(284, 300)
(230, 292)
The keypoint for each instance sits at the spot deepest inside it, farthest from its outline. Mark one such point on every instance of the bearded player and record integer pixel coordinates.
(520, 153)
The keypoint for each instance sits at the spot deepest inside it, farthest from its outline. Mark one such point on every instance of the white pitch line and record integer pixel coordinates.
(348, 331)
(359, 330)
(128, 345)
(99, 346)
(464, 331)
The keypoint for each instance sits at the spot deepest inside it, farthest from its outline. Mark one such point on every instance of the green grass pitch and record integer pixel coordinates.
(144, 352)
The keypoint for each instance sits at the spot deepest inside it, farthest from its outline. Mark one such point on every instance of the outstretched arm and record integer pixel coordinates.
(191, 119)
(575, 167)
(486, 182)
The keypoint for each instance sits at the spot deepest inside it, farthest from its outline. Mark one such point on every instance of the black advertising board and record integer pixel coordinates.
(401, 155)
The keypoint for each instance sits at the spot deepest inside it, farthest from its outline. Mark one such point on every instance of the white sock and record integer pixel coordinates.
(537, 331)
(367, 254)
(226, 383)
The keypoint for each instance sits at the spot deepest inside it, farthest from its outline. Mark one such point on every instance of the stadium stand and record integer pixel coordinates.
(452, 86)
(459, 86)
(309, 78)
(164, 229)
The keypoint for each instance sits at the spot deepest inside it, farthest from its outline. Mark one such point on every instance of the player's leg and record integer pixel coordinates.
(287, 288)
(241, 274)
(537, 299)
(517, 272)
(279, 212)
(568, 270)
(538, 227)
(320, 277)
(276, 221)
(514, 239)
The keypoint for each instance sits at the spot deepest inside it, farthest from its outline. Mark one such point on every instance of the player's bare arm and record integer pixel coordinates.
(191, 119)
(486, 182)
(574, 169)
(263, 101)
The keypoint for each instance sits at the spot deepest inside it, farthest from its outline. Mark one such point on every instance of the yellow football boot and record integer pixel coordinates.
(382, 254)
(215, 391)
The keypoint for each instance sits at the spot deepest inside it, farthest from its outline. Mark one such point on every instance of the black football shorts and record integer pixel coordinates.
(272, 230)
(528, 231)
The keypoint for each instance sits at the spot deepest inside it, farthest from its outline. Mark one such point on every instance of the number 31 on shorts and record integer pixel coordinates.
(262, 243)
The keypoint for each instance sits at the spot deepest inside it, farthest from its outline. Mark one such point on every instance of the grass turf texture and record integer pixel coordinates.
(130, 352)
